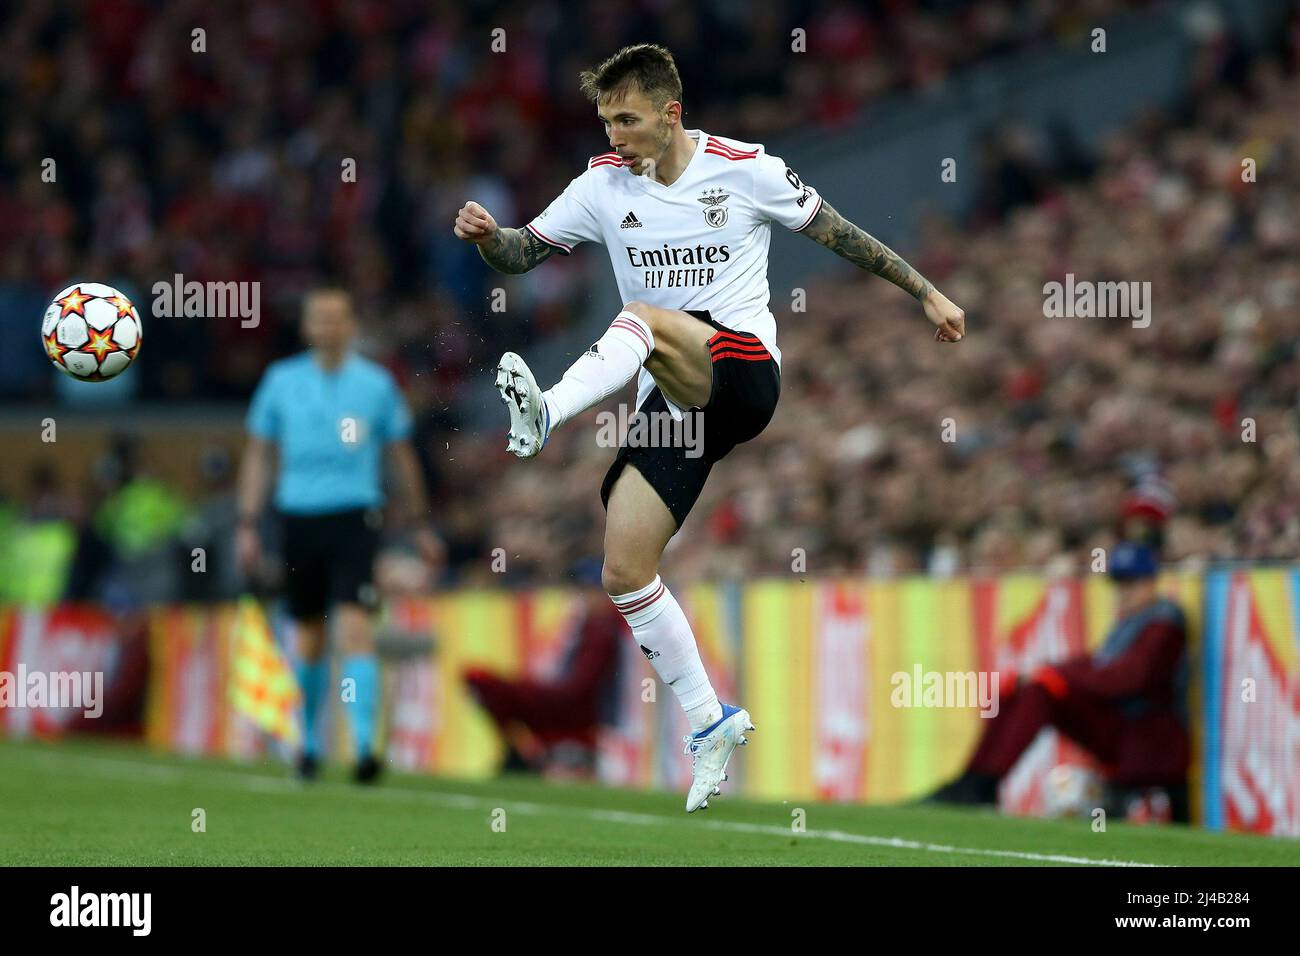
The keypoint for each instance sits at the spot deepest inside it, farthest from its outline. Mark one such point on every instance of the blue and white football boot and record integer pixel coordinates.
(530, 422)
(710, 750)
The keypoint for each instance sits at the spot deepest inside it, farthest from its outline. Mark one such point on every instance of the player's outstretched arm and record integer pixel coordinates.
(866, 251)
(512, 251)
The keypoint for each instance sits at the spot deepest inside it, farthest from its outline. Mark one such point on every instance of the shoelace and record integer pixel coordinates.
(693, 749)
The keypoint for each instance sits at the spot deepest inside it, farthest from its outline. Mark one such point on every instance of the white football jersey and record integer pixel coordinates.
(698, 244)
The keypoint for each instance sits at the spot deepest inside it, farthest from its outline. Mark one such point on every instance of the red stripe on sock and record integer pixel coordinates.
(741, 355)
(633, 327)
(618, 603)
(634, 606)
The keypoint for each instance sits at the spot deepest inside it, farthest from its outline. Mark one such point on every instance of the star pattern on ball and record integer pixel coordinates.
(85, 360)
(101, 343)
(52, 347)
(74, 303)
(120, 303)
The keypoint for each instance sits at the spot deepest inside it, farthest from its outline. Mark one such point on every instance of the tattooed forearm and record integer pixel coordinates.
(863, 249)
(515, 251)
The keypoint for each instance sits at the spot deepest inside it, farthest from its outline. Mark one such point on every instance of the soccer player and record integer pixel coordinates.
(685, 216)
(332, 416)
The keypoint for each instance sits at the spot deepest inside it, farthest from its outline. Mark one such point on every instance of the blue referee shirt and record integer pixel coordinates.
(331, 429)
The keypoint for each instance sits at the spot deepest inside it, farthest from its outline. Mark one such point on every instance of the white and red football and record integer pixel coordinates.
(91, 332)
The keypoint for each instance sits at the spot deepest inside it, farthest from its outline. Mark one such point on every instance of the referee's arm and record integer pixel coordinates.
(255, 473)
(412, 505)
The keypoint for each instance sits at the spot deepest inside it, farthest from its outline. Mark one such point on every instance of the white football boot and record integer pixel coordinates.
(710, 750)
(530, 422)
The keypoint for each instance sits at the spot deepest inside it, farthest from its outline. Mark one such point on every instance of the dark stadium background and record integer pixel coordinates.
(225, 165)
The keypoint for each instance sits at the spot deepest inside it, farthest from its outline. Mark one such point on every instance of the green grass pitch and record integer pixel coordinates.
(89, 803)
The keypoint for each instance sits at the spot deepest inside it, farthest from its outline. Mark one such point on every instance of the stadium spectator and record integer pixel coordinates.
(126, 527)
(208, 529)
(225, 164)
(37, 542)
(1059, 417)
(552, 724)
(1126, 704)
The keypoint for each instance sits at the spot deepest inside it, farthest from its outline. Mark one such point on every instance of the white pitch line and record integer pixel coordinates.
(134, 769)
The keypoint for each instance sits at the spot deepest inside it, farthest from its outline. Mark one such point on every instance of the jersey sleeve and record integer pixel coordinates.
(569, 219)
(781, 196)
(263, 413)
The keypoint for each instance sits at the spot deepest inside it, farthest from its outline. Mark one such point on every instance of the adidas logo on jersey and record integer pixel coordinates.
(630, 221)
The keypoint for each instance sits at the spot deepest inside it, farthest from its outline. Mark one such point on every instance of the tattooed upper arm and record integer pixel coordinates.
(515, 251)
(863, 249)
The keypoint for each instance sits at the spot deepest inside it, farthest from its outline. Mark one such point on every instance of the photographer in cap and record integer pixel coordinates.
(1126, 703)
(552, 724)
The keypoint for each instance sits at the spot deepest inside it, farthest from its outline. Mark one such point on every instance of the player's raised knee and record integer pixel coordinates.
(621, 578)
(643, 311)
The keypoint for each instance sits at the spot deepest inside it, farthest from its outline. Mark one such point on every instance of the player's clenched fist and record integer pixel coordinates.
(949, 320)
(474, 224)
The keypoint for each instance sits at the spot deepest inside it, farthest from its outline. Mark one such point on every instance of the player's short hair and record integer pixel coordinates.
(647, 67)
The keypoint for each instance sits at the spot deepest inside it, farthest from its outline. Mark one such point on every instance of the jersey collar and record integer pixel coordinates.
(334, 373)
(701, 138)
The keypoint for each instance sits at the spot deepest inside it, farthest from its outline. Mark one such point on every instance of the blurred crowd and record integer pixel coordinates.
(1022, 447)
(1057, 426)
(210, 141)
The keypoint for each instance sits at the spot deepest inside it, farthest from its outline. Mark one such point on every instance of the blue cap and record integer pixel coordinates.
(1132, 560)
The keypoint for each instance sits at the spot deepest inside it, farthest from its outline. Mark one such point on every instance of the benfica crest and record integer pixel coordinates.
(715, 214)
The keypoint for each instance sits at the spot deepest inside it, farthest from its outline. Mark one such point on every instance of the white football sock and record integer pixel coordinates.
(602, 370)
(659, 626)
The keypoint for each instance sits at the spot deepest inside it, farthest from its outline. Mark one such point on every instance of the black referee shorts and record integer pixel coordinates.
(746, 386)
(329, 559)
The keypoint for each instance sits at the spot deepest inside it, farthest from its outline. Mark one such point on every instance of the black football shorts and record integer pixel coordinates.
(329, 559)
(746, 386)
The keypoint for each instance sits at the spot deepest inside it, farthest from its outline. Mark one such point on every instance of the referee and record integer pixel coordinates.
(331, 417)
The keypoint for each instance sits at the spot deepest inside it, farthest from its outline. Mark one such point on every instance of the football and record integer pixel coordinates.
(91, 332)
(1071, 791)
